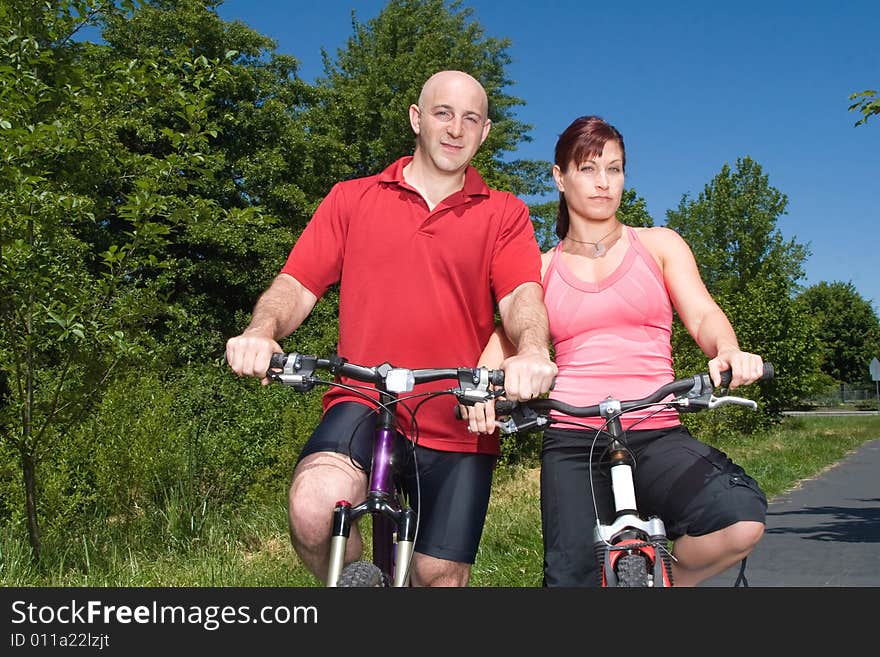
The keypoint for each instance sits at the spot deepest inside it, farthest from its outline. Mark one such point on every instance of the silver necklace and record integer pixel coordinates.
(599, 249)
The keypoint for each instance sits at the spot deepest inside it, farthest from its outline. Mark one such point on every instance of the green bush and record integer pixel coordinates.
(196, 442)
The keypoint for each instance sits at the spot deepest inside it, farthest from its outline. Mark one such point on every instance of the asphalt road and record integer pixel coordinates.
(824, 533)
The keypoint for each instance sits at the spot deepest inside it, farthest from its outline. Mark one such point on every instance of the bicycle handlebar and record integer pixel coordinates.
(298, 371)
(691, 394)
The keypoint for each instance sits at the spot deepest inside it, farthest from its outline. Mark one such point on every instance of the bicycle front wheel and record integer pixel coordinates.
(632, 571)
(362, 574)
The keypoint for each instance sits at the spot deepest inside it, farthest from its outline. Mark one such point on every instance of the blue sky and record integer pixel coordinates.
(691, 86)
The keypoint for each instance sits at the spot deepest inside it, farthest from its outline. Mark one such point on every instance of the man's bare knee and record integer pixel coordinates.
(431, 571)
(319, 481)
(323, 473)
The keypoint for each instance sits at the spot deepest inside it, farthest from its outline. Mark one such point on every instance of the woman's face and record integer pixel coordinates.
(593, 188)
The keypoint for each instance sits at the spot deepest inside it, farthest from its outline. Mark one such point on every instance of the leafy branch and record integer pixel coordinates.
(868, 104)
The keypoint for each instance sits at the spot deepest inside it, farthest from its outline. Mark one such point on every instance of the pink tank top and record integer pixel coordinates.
(612, 337)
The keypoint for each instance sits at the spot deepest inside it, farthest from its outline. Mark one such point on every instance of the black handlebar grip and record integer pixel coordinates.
(277, 361)
(497, 379)
(767, 375)
(504, 407)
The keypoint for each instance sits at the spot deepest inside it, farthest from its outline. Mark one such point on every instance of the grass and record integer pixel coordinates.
(204, 547)
(801, 448)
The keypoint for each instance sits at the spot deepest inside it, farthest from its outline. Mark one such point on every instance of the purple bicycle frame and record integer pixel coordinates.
(389, 511)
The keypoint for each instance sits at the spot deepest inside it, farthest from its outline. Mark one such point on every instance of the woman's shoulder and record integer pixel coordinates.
(659, 236)
(665, 245)
(546, 259)
(653, 230)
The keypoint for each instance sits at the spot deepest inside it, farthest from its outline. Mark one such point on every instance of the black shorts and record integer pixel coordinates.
(451, 492)
(693, 487)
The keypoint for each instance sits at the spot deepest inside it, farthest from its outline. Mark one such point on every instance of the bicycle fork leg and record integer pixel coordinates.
(338, 541)
(405, 536)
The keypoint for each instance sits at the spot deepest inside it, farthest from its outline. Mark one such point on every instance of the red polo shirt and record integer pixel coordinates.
(417, 286)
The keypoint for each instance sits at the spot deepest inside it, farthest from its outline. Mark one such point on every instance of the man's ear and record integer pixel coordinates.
(415, 118)
(486, 126)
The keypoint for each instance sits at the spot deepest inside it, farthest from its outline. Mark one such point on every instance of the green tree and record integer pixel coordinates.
(848, 330)
(82, 269)
(262, 173)
(753, 274)
(367, 89)
(867, 103)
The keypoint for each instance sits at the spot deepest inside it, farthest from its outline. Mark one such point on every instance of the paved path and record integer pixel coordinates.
(830, 413)
(826, 532)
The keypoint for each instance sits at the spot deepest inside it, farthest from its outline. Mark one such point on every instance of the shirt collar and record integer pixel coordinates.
(473, 181)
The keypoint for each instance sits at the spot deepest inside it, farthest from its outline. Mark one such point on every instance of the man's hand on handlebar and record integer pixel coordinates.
(249, 355)
(528, 375)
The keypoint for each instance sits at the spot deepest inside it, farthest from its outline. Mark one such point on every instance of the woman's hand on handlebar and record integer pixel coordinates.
(480, 417)
(745, 367)
(249, 355)
(526, 376)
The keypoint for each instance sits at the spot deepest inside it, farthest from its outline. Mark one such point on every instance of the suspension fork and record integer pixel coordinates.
(628, 526)
(620, 466)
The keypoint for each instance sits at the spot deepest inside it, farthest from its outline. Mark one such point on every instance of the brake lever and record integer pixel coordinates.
(296, 371)
(715, 402)
(471, 396)
(507, 427)
(526, 419)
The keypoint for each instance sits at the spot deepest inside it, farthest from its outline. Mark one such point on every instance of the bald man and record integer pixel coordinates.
(422, 252)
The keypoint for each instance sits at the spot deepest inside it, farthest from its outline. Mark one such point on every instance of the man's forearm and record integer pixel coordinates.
(524, 319)
(281, 308)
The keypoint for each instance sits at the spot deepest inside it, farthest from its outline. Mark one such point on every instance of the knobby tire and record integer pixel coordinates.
(362, 574)
(632, 571)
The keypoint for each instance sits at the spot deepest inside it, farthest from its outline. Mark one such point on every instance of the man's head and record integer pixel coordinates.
(451, 120)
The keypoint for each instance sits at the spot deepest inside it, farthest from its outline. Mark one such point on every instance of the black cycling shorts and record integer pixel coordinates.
(693, 487)
(451, 492)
